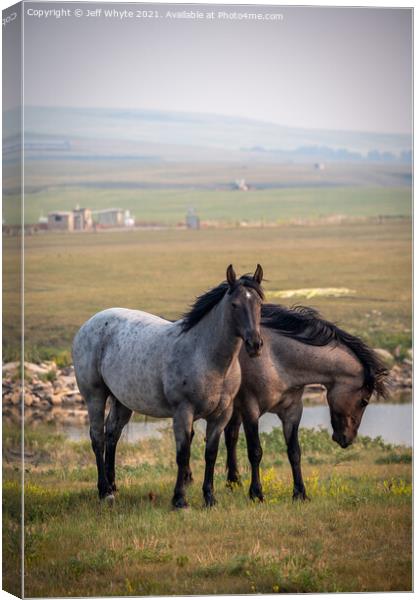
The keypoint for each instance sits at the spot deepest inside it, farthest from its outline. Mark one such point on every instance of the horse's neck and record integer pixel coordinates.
(216, 337)
(302, 364)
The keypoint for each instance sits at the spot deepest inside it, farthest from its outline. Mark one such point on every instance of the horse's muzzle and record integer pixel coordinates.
(341, 439)
(254, 347)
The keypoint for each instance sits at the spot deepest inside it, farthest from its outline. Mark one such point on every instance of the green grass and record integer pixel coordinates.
(169, 206)
(70, 277)
(359, 514)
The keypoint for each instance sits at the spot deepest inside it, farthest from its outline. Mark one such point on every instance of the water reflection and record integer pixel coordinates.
(393, 422)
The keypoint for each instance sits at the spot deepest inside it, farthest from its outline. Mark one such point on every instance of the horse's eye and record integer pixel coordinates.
(234, 305)
(364, 403)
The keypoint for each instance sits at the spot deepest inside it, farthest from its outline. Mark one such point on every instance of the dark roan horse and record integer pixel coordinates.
(301, 348)
(185, 370)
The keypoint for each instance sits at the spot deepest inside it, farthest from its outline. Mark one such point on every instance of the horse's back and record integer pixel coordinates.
(92, 332)
(122, 349)
(121, 315)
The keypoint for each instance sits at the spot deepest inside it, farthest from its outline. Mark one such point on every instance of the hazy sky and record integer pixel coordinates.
(334, 68)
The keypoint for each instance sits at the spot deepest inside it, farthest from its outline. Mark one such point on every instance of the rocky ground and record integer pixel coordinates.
(51, 393)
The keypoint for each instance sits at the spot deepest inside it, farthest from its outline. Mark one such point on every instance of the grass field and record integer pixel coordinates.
(354, 535)
(169, 206)
(70, 277)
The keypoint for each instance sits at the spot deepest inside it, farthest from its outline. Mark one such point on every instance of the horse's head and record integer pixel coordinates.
(347, 402)
(349, 394)
(244, 299)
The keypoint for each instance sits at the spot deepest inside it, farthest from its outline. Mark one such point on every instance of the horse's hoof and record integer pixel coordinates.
(109, 500)
(300, 496)
(256, 496)
(210, 502)
(261, 498)
(179, 503)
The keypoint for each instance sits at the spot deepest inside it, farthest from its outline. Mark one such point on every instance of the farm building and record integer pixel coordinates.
(82, 219)
(60, 221)
(111, 217)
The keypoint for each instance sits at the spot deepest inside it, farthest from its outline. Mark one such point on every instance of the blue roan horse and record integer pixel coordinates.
(186, 370)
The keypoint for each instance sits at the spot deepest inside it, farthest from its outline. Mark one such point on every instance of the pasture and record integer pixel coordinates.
(169, 206)
(69, 277)
(354, 535)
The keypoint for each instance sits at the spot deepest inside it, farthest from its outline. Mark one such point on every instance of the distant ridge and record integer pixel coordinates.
(171, 129)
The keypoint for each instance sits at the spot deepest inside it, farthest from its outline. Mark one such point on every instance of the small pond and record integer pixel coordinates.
(393, 422)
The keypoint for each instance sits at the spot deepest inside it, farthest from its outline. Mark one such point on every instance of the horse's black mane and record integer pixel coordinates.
(204, 303)
(305, 325)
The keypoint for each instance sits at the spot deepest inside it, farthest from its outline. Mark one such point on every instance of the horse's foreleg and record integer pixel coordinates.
(291, 422)
(254, 452)
(118, 417)
(231, 436)
(182, 427)
(215, 428)
(96, 408)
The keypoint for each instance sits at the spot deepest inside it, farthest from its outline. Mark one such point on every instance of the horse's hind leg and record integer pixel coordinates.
(96, 402)
(118, 417)
(231, 436)
(188, 470)
(290, 422)
(254, 453)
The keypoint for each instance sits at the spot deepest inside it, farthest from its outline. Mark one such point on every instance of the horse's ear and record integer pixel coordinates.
(231, 276)
(258, 276)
